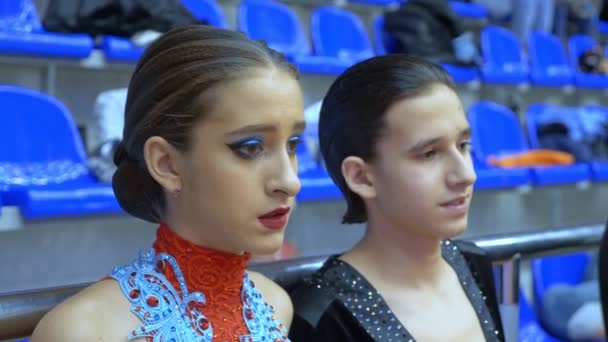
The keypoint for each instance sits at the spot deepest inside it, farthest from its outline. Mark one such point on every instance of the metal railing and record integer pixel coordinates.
(21, 311)
(508, 250)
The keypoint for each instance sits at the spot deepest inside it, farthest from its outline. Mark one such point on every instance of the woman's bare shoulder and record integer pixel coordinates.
(100, 312)
(274, 295)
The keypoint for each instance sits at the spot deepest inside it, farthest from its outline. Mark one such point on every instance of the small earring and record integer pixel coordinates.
(176, 193)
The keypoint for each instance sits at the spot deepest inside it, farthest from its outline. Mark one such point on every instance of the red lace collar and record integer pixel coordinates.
(218, 275)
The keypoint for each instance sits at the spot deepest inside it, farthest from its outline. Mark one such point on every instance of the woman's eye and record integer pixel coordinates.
(248, 148)
(292, 144)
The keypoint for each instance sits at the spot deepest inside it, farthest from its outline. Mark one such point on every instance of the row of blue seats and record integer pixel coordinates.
(335, 50)
(497, 131)
(21, 31)
(45, 171)
(43, 165)
(546, 64)
(22, 34)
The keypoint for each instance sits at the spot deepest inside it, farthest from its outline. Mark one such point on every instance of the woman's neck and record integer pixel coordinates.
(197, 233)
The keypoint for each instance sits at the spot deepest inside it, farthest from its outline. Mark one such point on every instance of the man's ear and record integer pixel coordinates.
(358, 177)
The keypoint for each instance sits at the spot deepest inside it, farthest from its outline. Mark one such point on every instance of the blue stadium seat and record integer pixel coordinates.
(496, 132)
(469, 10)
(385, 43)
(488, 140)
(461, 74)
(530, 329)
(504, 62)
(274, 22)
(599, 171)
(349, 44)
(278, 25)
(45, 171)
(493, 178)
(548, 271)
(120, 49)
(22, 34)
(549, 63)
(541, 113)
(577, 44)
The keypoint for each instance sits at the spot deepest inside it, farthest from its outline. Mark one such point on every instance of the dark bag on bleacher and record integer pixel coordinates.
(116, 17)
(425, 28)
(556, 136)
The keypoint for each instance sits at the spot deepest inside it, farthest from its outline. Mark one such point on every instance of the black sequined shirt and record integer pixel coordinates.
(338, 304)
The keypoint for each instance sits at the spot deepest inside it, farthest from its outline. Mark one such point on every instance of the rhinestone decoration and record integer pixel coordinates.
(168, 315)
(373, 313)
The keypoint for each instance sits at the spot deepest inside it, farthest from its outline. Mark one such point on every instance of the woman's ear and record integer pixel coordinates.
(162, 162)
(358, 177)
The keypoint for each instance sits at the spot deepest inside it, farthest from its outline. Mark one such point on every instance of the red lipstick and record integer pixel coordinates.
(276, 219)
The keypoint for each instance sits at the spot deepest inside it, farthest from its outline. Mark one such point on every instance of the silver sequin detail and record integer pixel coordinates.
(357, 294)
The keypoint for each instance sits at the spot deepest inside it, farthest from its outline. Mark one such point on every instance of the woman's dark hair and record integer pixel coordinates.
(352, 115)
(166, 98)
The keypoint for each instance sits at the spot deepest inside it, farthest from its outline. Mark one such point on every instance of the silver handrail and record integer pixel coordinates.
(503, 247)
(21, 311)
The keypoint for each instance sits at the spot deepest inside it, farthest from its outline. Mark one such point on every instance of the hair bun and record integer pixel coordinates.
(136, 191)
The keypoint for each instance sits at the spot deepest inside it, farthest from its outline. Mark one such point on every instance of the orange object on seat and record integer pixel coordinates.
(533, 158)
